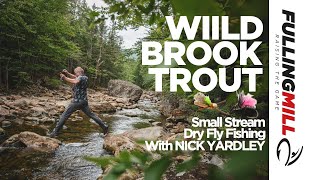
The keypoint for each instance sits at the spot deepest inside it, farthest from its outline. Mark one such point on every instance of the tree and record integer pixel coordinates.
(35, 38)
(38, 38)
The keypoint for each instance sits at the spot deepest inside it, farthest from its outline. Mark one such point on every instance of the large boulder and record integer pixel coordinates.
(149, 133)
(167, 104)
(127, 141)
(33, 141)
(175, 108)
(120, 88)
(117, 143)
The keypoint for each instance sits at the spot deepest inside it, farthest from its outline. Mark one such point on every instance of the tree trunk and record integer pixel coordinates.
(0, 74)
(70, 65)
(99, 62)
(7, 75)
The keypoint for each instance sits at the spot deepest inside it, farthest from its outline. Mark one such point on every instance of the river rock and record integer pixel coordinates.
(32, 140)
(5, 124)
(174, 107)
(167, 104)
(28, 118)
(178, 115)
(149, 133)
(4, 112)
(78, 118)
(46, 120)
(62, 104)
(151, 95)
(117, 143)
(132, 106)
(53, 112)
(50, 94)
(103, 107)
(212, 159)
(169, 125)
(131, 112)
(2, 132)
(122, 100)
(22, 103)
(174, 137)
(157, 123)
(137, 112)
(124, 89)
(38, 111)
(2, 102)
(151, 121)
(182, 158)
(178, 128)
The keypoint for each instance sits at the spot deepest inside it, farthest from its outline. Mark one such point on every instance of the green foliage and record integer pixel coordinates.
(243, 164)
(129, 59)
(157, 168)
(23, 78)
(194, 8)
(140, 72)
(189, 164)
(35, 35)
(51, 82)
(125, 161)
(100, 161)
(40, 38)
(136, 161)
(137, 13)
(240, 164)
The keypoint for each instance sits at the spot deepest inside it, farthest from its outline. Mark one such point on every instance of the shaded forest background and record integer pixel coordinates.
(39, 38)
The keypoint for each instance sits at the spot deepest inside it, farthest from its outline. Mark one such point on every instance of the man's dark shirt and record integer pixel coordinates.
(80, 89)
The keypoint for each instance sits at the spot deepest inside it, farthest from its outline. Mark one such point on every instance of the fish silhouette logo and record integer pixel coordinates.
(292, 156)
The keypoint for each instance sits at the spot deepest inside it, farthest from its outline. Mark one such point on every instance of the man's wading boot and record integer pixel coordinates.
(105, 130)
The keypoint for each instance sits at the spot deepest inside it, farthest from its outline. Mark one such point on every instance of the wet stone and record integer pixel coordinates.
(2, 132)
(156, 124)
(5, 124)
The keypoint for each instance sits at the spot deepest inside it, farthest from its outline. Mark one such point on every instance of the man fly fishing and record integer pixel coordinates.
(79, 101)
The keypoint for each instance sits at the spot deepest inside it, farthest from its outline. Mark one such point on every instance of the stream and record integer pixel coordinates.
(80, 138)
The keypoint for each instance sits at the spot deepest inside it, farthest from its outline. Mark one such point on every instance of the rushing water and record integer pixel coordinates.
(80, 138)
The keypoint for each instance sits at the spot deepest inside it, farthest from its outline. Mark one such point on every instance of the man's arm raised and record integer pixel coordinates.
(70, 80)
(69, 74)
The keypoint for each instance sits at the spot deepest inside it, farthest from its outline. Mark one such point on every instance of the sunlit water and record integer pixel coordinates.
(81, 138)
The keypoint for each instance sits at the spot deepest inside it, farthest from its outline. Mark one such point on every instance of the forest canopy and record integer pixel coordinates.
(38, 38)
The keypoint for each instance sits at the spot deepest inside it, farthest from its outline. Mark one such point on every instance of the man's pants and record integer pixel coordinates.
(73, 106)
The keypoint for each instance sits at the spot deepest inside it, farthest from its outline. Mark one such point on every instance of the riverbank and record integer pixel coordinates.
(37, 108)
(129, 119)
